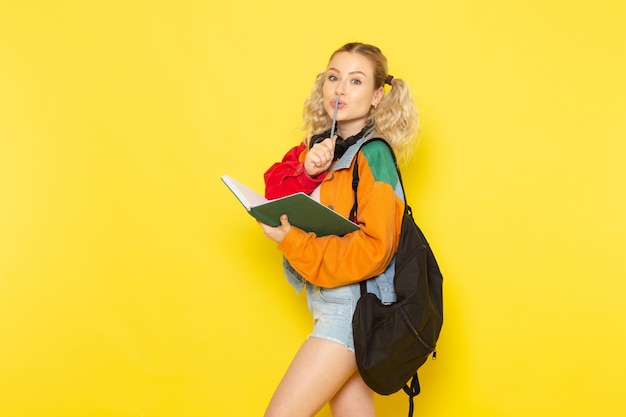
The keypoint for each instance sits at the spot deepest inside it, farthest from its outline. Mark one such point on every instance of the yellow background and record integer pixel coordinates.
(133, 284)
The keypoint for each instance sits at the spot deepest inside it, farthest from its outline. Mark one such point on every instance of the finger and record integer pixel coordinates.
(330, 145)
(284, 220)
(316, 160)
(325, 154)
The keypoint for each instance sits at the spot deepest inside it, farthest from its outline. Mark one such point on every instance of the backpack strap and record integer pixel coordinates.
(355, 175)
(412, 391)
(413, 388)
(355, 185)
(355, 206)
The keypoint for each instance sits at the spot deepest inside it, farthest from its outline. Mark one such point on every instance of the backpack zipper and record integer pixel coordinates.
(415, 332)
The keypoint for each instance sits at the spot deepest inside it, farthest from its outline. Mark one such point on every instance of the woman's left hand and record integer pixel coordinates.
(277, 234)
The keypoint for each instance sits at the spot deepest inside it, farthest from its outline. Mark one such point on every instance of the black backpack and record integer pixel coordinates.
(392, 341)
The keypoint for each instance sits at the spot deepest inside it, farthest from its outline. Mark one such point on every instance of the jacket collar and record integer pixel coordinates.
(346, 160)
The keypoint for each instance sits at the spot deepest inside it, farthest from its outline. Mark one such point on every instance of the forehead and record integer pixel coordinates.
(346, 62)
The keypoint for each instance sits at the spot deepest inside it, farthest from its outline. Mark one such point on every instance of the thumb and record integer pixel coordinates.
(284, 220)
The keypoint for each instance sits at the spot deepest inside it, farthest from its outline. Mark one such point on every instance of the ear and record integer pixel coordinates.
(378, 96)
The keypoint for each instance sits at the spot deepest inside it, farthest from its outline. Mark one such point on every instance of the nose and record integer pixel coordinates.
(340, 89)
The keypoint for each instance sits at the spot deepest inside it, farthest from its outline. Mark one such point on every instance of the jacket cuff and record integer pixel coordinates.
(305, 180)
(291, 240)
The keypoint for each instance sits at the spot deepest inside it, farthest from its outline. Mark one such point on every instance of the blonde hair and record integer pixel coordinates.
(395, 118)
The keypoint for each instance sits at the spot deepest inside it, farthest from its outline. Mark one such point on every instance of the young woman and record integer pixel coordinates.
(330, 267)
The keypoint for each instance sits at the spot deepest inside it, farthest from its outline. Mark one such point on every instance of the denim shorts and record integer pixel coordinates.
(332, 310)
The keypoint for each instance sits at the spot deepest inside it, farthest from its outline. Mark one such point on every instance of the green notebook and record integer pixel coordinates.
(304, 212)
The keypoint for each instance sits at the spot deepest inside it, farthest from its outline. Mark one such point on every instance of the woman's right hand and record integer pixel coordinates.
(319, 157)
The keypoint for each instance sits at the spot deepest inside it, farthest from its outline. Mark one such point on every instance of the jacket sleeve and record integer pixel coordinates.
(331, 261)
(288, 176)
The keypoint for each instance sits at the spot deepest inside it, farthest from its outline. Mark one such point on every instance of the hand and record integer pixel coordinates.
(277, 234)
(320, 156)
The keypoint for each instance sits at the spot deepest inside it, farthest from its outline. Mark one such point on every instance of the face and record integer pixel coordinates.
(350, 76)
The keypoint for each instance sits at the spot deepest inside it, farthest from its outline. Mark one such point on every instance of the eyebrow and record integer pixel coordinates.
(350, 73)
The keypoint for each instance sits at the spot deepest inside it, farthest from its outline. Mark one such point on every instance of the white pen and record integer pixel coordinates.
(332, 128)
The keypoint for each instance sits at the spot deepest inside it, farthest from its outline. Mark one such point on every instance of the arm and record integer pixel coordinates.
(288, 176)
(301, 170)
(332, 261)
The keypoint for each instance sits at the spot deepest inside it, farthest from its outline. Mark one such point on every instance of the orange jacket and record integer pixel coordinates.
(331, 261)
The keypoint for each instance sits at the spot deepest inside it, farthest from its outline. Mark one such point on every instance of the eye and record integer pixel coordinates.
(332, 78)
(356, 81)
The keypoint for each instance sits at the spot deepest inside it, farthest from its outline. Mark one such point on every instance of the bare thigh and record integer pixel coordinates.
(317, 374)
(354, 399)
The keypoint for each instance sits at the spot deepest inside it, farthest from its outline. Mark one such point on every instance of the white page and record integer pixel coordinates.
(249, 198)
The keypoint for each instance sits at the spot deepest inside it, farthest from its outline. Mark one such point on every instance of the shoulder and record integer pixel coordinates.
(381, 161)
(296, 153)
(377, 148)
